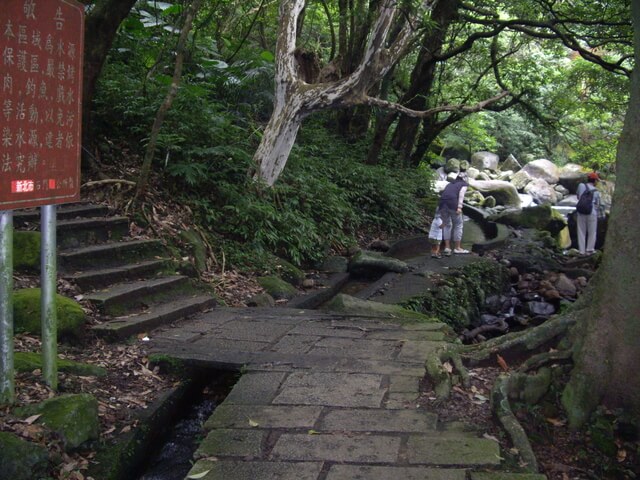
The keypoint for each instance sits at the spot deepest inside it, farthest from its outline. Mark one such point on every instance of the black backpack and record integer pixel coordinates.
(585, 203)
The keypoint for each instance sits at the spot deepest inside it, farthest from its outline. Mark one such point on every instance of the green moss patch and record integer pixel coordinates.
(30, 361)
(21, 460)
(458, 298)
(26, 313)
(351, 305)
(277, 288)
(73, 417)
(26, 250)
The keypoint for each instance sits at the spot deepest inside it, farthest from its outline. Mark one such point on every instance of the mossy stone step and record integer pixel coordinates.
(89, 231)
(23, 218)
(100, 278)
(121, 298)
(109, 254)
(157, 315)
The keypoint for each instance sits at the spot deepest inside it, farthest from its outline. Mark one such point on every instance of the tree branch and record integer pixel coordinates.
(432, 111)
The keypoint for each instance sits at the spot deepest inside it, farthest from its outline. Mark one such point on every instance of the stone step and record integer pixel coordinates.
(109, 254)
(129, 297)
(158, 315)
(90, 231)
(30, 217)
(95, 279)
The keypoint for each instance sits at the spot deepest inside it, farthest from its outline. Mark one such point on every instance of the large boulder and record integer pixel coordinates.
(510, 163)
(473, 172)
(520, 180)
(571, 175)
(73, 417)
(372, 264)
(485, 161)
(539, 217)
(504, 192)
(541, 191)
(544, 169)
(452, 166)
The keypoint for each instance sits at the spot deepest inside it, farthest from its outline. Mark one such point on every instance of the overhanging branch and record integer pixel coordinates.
(432, 111)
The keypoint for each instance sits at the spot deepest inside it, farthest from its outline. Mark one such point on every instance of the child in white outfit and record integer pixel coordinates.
(435, 235)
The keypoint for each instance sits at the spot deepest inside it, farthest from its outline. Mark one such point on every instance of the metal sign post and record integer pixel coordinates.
(48, 281)
(7, 384)
(41, 52)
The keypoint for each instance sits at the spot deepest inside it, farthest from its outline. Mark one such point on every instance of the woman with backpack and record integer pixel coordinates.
(587, 209)
(450, 208)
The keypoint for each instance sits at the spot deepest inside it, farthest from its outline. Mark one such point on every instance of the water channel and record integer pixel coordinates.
(172, 458)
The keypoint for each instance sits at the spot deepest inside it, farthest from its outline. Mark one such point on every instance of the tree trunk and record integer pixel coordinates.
(295, 99)
(607, 346)
(145, 170)
(422, 78)
(101, 25)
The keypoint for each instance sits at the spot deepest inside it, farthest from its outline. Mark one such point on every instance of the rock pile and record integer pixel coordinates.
(496, 185)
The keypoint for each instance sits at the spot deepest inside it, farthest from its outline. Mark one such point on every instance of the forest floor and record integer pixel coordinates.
(132, 384)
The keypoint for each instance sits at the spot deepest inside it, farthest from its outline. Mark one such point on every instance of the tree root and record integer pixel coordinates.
(537, 361)
(439, 370)
(502, 410)
(500, 326)
(530, 340)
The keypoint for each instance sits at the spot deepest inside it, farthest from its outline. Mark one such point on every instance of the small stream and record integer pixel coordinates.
(173, 459)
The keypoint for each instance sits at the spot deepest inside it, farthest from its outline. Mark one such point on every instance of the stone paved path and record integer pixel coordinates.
(324, 397)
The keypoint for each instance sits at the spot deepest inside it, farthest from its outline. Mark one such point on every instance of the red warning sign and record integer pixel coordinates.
(41, 49)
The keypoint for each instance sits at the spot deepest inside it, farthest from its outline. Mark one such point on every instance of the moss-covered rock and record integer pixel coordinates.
(26, 250)
(504, 192)
(289, 272)
(73, 417)
(26, 313)
(563, 239)
(30, 361)
(540, 217)
(371, 264)
(21, 460)
(342, 303)
(196, 248)
(277, 288)
(457, 299)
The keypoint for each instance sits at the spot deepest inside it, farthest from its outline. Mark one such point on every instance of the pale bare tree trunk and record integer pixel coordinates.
(607, 338)
(295, 99)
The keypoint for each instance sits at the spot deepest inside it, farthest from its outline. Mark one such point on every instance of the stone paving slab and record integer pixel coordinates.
(463, 450)
(232, 442)
(366, 420)
(295, 343)
(414, 351)
(404, 384)
(229, 415)
(379, 367)
(331, 389)
(363, 472)
(337, 448)
(237, 470)
(359, 348)
(256, 388)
